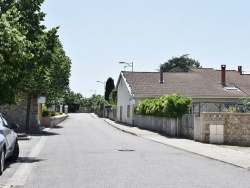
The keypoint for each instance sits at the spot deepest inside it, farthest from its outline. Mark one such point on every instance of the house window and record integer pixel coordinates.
(128, 111)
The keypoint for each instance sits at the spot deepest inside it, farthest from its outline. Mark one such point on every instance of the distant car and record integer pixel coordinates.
(9, 148)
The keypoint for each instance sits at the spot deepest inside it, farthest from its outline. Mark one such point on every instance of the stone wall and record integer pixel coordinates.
(236, 127)
(17, 114)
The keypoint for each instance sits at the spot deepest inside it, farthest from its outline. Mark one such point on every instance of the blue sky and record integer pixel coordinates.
(98, 34)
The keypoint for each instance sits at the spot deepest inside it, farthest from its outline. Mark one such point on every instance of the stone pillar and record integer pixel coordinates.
(61, 108)
(39, 115)
(66, 109)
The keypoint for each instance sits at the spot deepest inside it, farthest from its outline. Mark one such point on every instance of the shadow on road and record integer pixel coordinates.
(28, 160)
(57, 127)
(51, 134)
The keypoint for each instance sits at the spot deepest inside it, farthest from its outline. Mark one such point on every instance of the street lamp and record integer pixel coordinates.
(125, 67)
(130, 65)
(104, 83)
(132, 87)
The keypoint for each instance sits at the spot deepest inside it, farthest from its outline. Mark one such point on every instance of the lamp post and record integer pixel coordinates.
(104, 83)
(132, 88)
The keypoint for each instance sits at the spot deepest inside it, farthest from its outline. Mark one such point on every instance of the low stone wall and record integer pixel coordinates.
(52, 121)
(45, 121)
(168, 126)
(17, 114)
(233, 128)
(55, 120)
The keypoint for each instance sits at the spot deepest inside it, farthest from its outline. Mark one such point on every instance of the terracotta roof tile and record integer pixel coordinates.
(200, 82)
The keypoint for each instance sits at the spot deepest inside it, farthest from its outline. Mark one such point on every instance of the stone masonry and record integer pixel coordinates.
(17, 114)
(236, 127)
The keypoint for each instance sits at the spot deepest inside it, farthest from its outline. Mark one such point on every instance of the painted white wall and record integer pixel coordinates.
(123, 100)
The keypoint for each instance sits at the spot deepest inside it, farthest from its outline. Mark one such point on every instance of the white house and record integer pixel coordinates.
(211, 90)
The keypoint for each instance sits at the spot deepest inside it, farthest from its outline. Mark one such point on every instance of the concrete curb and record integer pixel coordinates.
(121, 129)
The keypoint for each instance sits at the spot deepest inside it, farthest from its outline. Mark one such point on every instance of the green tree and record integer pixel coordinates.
(47, 71)
(246, 102)
(53, 80)
(109, 87)
(91, 102)
(14, 55)
(113, 98)
(180, 64)
(73, 100)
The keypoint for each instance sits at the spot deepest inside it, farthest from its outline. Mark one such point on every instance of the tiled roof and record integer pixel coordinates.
(199, 83)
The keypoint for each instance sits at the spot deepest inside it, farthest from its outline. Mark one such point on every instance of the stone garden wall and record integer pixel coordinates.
(17, 114)
(233, 128)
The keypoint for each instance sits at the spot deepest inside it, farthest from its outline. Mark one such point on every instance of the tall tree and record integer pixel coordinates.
(180, 64)
(45, 69)
(113, 98)
(109, 87)
(14, 54)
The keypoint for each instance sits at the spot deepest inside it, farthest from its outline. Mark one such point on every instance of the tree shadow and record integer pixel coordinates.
(44, 134)
(57, 127)
(22, 160)
(50, 134)
(28, 160)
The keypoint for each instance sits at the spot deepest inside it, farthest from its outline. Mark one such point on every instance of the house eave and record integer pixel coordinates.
(193, 97)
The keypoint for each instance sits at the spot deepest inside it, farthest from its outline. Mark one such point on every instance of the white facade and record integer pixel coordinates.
(124, 107)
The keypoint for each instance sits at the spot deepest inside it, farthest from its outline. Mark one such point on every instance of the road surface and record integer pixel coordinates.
(84, 151)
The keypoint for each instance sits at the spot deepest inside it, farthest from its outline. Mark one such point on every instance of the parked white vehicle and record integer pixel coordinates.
(9, 148)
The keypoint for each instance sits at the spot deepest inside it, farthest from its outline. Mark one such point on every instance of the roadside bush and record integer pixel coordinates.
(46, 113)
(231, 109)
(44, 107)
(171, 106)
(177, 106)
(53, 113)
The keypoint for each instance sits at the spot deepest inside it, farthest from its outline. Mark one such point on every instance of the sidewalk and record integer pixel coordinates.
(238, 156)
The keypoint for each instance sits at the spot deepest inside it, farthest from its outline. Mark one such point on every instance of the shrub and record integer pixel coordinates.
(231, 109)
(246, 102)
(167, 106)
(177, 106)
(46, 113)
(44, 107)
(53, 113)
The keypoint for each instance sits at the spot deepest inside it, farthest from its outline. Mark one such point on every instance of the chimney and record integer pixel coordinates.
(240, 69)
(161, 75)
(223, 75)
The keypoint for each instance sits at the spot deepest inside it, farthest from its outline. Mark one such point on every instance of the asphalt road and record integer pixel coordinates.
(87, 152)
